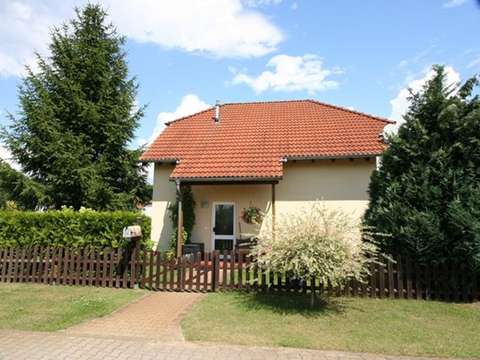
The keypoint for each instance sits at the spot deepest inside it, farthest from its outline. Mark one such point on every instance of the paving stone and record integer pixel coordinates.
(156, 316)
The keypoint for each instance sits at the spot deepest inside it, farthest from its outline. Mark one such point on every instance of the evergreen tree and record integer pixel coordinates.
(15, 187)
(78, 116)
(426, 194)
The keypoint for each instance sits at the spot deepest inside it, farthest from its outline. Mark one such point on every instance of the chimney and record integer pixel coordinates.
(216, 117)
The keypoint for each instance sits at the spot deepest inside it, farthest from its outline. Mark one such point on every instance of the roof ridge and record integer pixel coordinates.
(188, 116)
(314, 101)
(264, 102)
(380, 118)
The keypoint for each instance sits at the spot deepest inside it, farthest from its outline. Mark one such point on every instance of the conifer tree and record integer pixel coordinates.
(77, 117)
(426, 194)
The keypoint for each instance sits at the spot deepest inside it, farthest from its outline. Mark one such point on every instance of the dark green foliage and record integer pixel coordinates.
(427, 192)
(77, 118)
(69, 228)
(26, 193)
(188, 208)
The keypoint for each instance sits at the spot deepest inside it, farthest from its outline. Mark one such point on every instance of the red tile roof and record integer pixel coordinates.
(251, 139)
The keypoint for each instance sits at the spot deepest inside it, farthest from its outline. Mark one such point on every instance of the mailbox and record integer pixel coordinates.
(132, 232)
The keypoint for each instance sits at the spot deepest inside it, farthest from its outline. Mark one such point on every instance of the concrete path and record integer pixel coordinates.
(153, 317)
(15, 345)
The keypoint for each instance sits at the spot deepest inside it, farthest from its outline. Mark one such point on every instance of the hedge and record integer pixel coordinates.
(69, 228)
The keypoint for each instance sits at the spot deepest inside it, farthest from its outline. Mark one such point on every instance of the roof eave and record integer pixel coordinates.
(230, 179)
(329, 157)
(159, 161)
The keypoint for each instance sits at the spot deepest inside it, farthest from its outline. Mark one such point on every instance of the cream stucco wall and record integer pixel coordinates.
(339, 183)
(163, 196)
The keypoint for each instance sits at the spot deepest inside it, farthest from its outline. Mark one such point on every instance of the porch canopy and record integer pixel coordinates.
(232, 181)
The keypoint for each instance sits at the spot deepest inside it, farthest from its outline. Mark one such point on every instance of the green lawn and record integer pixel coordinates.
(399, 327)
(50, 308)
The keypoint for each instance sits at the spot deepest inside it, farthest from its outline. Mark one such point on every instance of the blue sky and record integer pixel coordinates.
(187, 54)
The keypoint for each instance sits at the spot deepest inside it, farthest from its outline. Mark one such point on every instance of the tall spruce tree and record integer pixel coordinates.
(426, 194)
(78, 116)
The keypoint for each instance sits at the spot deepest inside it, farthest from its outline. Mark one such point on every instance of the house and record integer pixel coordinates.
(277, 156)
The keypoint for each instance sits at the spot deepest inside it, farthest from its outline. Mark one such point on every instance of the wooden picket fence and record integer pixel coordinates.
(398, 278)
(109, 268)
(230, 270)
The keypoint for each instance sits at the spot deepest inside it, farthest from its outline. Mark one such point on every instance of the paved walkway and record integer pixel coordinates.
(153, 317)
(17, 345)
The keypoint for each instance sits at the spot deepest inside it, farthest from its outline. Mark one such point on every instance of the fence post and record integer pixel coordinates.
(475, 292)
(400, 278)
(391, 287)
(215, 270)
(133, 268)
(409, 276)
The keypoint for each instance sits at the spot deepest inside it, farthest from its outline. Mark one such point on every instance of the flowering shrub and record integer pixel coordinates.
(316, 242)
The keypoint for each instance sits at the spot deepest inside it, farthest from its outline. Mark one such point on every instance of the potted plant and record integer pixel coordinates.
(252, 215)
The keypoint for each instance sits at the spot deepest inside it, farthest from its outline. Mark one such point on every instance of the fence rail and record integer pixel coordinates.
(231, 270)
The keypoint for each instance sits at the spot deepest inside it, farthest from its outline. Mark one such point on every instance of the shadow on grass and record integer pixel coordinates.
(290, 304)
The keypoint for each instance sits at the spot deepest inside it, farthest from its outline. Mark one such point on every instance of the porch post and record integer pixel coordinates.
(273, 210)
(180, 220)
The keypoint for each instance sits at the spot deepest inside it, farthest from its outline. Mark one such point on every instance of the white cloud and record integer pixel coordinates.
(24, 28)
(223, 28)
(400, 103)
(6, 155)
(454, 3)
(257, 3)
(294, 5)
(291, 73)
(189, 104)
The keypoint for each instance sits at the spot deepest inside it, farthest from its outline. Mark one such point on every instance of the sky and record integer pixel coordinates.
(185, 55)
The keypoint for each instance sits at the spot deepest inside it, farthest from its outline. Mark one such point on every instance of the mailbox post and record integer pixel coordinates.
(132, 234)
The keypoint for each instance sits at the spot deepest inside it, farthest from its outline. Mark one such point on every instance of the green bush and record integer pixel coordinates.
(69, 228)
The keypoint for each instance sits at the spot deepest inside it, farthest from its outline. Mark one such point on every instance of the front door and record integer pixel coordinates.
(223, 226)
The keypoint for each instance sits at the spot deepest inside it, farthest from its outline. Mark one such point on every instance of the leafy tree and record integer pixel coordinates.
(426, 194)
(18, 189)
(316, 242)
(78, 116)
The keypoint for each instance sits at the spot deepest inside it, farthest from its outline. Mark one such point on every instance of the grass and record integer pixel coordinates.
(397, 327)
(50, 308)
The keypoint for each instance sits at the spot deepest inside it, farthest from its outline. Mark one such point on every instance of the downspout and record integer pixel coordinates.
(273, 210)
(180, 220)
